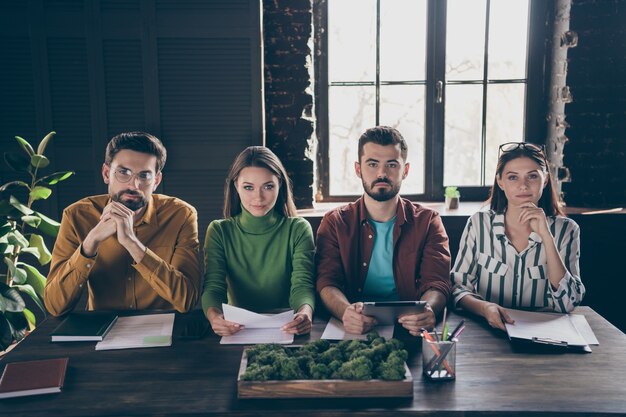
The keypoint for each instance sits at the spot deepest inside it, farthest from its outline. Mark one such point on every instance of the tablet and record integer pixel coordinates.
(387, 312)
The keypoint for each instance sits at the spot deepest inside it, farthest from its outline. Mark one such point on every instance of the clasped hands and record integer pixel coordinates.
(354, 321)
(116, 219)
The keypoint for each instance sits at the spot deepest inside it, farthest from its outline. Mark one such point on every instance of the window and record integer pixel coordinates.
(454, 77)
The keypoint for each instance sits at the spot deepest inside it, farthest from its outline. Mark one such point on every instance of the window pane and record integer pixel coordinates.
(351, 111)
(462, 135)
(465, 39)
(402, 107)
(505, 121)
(352, 40)
(508, 38)
(403, 25)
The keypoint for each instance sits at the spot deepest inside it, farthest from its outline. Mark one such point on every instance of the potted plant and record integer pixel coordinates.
(20, 234)
(452, 196)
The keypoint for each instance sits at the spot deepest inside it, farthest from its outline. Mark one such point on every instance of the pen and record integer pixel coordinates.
(433, 345)
(456, 329)
(443, 325)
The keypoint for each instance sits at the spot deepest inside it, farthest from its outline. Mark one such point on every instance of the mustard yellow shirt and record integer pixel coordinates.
(168, 276)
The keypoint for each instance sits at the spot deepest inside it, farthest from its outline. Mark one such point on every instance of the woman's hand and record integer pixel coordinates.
(536, 218)
(496, 315)
(220, 326)
(302, 321)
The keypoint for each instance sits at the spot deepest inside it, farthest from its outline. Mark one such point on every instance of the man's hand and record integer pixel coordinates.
(124, 221)
(413, 322)
(496, 315)
(220, 326)
(105, 228)
(354, 321)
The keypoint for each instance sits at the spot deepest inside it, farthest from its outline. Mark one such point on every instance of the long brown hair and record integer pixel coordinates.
(261, 157)
(549, 201)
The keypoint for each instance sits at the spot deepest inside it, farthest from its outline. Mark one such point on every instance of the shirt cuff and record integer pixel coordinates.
(149, 263)
(82, 264)
(561, 291)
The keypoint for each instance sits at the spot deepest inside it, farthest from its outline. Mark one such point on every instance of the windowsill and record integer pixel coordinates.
(466, 209)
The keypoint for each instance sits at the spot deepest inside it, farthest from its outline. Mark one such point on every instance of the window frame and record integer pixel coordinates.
(537, 94)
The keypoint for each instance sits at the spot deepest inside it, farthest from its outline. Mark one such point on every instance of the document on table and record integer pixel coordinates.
(334, 331)
(152, 330)
(258, 328)
(551, 328)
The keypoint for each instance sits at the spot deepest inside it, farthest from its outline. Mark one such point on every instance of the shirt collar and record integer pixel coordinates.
(401, 216)
(150, 215)
(498, 226)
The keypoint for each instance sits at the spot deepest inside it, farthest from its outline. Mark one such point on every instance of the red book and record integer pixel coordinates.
(33, 377)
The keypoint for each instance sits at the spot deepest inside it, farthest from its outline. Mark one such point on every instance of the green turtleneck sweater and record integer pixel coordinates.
(264, 262)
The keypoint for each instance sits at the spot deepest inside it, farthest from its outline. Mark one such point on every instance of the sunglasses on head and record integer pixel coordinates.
(512, 146)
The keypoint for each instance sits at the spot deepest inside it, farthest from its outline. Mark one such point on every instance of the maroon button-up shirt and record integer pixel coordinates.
(421, 255)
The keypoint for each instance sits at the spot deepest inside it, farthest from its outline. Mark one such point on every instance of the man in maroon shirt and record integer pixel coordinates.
(382, 247)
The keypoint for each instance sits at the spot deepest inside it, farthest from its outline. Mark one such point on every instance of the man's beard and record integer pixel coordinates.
(133, 204)
(382, 194)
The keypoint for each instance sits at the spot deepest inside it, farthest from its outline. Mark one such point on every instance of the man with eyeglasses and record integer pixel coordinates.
(133, 249)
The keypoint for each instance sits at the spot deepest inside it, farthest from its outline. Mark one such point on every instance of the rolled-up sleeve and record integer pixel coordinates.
(327, 256)
(435, 266)
(571, 290)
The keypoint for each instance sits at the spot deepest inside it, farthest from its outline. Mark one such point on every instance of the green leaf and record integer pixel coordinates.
(19, 324)
(32, 221)
(30, 318)
(34, 278)
(4, 246)
(6, 333)
(7, 210)
(25, 145)
(31, 251)
(10, 299)
(13, 184)
(17, 161)
(18, 275)
(47, 225)
(5, 228)
(17, 239)
(39, 161)
(21, 207)
(40, 193)
(36, 241)
(27, 289)
(56, 177)
(44, 142)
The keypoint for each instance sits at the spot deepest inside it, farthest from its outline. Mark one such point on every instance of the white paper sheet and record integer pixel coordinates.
(152, 330)
(551, 327)
(584, 328)
(334, 331)
(258, 328)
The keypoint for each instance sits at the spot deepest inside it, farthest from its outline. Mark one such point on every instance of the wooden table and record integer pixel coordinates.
(198, 377)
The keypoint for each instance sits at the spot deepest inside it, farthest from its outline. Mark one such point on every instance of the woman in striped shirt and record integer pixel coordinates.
(522, 253)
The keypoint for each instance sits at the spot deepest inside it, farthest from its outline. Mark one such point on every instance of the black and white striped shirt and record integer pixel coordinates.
(489, 267)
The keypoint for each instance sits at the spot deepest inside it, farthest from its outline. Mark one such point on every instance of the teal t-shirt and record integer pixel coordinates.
(379, 283)
(259, 263)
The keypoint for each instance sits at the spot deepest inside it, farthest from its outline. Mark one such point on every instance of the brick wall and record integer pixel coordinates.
(290, 126)
(596, 151)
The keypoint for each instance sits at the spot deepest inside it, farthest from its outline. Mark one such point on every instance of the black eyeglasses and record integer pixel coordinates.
(512, 146)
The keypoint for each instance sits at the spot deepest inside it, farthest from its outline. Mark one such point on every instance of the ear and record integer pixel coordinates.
(157, 180)
(499, 181)
(357, 169)
(106, 172)
(406, 170)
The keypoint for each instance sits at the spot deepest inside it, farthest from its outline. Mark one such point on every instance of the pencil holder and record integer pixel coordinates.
(438, 358)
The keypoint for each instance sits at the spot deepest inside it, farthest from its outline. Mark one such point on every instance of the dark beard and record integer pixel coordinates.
(382, 194)
(134, 205)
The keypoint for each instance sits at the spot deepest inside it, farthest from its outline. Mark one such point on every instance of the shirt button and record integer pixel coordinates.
(370, 236)
(131, 306)
(88, 265)
(81, 286)
(364, 263)
(129, 278)
(360, 289)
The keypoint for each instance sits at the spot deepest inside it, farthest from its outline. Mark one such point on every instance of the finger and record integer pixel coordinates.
(358, 307)
(506, 317)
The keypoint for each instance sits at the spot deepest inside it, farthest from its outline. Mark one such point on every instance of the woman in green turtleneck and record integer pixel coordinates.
(261, 254)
